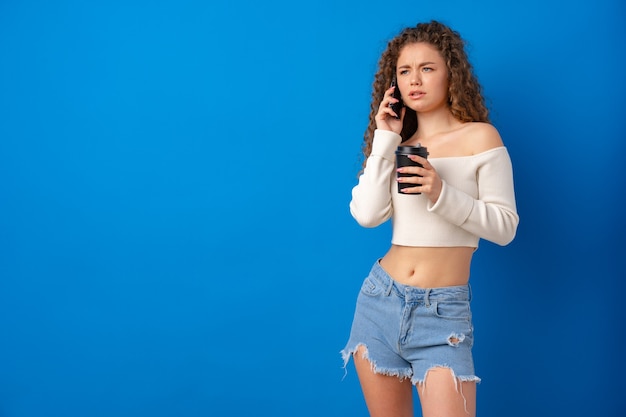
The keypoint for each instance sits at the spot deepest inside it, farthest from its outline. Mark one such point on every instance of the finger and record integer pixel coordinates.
(388, 101)
(427, 165)
(413, 170)
(384, 112)
(386, 97)
(412, 190)
(412, 179)
(420, 160)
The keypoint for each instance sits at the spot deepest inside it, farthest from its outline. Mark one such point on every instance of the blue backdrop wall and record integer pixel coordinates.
(174, 184)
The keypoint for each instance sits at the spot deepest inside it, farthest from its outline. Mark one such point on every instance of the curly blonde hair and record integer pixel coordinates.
(465, 98)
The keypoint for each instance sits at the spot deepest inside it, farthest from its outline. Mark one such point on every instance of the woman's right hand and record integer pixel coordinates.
(386, 118)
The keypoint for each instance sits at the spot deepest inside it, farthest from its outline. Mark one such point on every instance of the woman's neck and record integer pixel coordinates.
(435, 122)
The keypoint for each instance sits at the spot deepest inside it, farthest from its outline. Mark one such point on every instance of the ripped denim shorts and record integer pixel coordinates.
(405, 331)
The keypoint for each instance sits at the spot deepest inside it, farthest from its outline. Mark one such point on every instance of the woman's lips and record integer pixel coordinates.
(415, 95)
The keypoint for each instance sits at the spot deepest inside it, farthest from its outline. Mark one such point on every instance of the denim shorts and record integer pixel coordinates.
(407, 330)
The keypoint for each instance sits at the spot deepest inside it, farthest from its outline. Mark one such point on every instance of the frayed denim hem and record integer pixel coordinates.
(460, 378)
(348, 353)
(403, 374)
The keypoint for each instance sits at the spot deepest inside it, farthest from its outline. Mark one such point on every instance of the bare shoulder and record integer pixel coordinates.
(482, 136)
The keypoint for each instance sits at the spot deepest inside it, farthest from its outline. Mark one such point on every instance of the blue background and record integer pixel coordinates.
(175, 237)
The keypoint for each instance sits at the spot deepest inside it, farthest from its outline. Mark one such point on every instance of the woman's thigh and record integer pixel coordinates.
(385, 395)
(442, 394)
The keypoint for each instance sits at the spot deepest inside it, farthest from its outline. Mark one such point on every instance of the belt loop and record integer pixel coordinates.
(427, 297)
(389, 287)
(469, 287)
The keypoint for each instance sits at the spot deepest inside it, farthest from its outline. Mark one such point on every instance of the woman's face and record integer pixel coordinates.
(422, 77)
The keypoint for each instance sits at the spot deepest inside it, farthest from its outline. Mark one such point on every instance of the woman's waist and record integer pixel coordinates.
(428, 267)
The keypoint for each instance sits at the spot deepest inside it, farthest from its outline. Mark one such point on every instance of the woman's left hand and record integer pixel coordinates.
(428, 183)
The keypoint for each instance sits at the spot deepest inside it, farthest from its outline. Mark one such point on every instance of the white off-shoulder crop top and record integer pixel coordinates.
(477, 198)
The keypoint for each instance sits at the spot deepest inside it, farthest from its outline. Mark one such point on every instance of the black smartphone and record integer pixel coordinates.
(396, 107)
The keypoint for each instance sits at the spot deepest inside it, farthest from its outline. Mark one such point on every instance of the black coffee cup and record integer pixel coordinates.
(402, 160)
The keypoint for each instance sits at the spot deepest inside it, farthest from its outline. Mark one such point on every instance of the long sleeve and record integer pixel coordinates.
(492, 215)
(371, 197)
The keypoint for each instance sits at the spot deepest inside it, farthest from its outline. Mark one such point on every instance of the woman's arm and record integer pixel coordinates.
(493, 214)
(371, 197)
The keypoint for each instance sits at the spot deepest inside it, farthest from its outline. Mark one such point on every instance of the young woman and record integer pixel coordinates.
(412, 324)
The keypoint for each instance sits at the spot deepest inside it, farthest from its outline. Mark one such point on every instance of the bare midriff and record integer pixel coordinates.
(428, 267)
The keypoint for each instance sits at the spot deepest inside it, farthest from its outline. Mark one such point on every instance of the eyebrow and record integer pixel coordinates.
(420, 65)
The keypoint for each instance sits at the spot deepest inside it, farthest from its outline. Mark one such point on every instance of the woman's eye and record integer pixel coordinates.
(427, 69)
(404, 72)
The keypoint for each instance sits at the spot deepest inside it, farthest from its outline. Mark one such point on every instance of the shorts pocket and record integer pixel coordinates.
(371, 287)
(452, 310)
